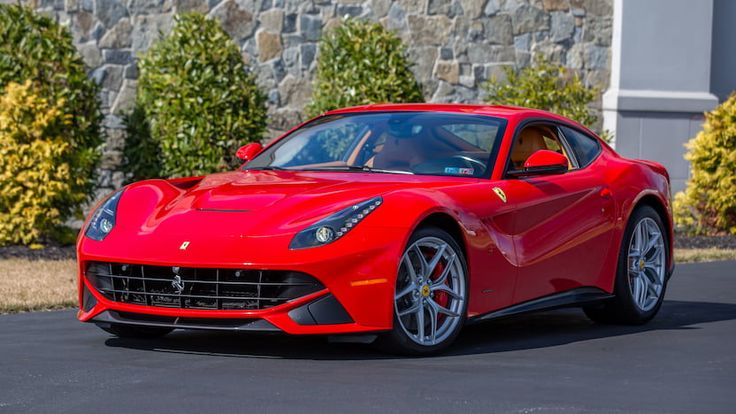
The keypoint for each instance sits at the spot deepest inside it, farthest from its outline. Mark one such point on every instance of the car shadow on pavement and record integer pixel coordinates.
(531, 331)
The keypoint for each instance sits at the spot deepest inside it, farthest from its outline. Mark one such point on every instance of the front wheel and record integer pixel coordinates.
(641, 278)
(431, 294)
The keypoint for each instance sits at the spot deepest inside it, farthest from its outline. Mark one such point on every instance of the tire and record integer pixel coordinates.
(640, 285)
(132, 331)
(444, 299)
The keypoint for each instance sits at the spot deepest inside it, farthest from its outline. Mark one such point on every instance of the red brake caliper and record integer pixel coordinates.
(441, 298)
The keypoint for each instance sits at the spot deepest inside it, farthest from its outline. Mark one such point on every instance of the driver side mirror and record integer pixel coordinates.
(248, 151)
(542, 162)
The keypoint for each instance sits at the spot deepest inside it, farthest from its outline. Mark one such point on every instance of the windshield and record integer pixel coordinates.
(431, 143)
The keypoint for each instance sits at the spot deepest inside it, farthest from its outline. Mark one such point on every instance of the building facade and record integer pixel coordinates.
(671, 61)
(455, 45)
(663, 59)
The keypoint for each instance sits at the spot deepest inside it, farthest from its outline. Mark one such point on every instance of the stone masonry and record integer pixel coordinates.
(455, 45)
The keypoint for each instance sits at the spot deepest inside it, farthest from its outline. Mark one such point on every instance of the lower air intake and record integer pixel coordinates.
(196, 288)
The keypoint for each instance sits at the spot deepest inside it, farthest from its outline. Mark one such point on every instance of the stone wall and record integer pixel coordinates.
(455, 44)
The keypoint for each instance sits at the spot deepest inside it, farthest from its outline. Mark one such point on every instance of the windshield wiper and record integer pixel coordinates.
(361, 168)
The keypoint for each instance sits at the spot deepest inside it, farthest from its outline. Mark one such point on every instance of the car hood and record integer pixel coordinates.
(258, 191)
(253, 203)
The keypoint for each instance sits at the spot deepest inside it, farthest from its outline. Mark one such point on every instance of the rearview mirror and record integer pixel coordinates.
(248, 151)
(542, 162)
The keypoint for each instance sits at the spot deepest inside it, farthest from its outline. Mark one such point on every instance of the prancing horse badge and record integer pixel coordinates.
(499, 192)
(184, 245)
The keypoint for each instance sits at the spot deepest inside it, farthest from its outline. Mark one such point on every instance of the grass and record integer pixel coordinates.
(29, 285)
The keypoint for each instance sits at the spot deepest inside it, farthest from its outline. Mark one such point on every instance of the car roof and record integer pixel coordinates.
(502, 111)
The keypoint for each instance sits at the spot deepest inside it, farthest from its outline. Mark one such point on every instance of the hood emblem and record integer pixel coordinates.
(184, 245)
(499, 192)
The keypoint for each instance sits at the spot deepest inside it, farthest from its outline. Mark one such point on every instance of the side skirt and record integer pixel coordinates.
(575, 297)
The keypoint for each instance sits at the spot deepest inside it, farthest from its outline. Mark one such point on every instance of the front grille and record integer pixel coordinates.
(195, 288)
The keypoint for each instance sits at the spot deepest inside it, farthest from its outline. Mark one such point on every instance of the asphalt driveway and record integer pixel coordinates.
(684, 361)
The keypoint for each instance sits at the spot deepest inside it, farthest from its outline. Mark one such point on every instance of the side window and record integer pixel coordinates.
(553, 145)
(586, 148)
(533, 138)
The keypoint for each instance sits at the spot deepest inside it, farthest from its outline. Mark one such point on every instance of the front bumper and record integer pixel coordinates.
(232, 324)
(358, 278)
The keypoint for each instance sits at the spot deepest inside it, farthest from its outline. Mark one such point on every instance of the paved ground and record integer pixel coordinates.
(684, 361)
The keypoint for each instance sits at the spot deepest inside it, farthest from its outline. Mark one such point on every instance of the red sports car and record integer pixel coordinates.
(401, 221)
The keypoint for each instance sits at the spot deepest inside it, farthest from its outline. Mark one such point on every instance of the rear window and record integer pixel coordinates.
(585, 147)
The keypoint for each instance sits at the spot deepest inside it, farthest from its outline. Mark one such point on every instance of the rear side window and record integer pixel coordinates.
(585, 147)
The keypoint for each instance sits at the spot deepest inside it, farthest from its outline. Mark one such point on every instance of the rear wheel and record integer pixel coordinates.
(431, 294)
(641, 278)
(131, 331)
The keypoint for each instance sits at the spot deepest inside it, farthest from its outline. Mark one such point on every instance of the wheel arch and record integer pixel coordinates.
(447, 223)
(655, 201)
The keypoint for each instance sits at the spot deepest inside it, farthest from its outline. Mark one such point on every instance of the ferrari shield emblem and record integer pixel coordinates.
(499, 192)
(184, 245)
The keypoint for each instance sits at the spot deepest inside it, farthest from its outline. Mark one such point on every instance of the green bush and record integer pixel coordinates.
(34, 173)
(38, 53)
(37, 49)
(545, 86)
(198, 100)
(362, 63)
(708, 205)
(141, 154)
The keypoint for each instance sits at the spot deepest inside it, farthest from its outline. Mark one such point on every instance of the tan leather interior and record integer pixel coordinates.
(530, 140)
(354, 156)
(397, 153)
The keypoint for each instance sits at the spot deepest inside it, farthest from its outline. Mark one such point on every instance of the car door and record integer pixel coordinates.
(562, 224)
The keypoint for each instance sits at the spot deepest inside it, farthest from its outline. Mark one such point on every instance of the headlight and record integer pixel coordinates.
(103, 219)
(335, 226)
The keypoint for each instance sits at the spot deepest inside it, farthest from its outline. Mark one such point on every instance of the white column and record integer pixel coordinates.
(660, 79)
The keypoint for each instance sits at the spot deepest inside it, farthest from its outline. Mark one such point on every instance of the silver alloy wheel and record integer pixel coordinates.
(646, 264)
(430, 291)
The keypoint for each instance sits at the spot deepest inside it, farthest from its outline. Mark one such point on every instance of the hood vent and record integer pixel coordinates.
(185, 183)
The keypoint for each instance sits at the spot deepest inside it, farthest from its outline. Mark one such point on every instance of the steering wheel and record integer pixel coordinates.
(470, 162)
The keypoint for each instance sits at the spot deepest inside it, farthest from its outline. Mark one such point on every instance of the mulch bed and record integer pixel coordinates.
(46, 253)
(68, 252)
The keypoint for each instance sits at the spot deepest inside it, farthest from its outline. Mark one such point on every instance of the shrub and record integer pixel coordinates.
(198, 98)
(141, 154)
(35, 184)
(362, 63)
(708, 205)
(545, 86)
(36, 48)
